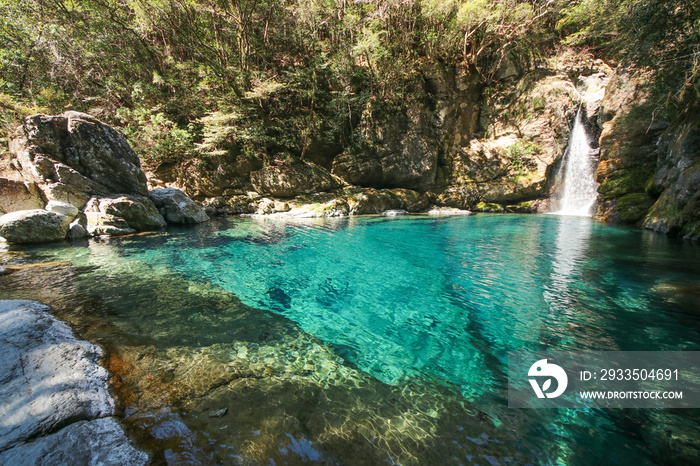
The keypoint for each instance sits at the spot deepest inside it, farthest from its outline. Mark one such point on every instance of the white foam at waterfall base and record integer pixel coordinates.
(578, 189)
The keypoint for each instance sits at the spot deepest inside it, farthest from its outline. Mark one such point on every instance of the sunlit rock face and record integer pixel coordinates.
(84, 169)
(19, 195)
(176, 207)
(33, 226)
(289, 180)
(119, 215)
(51, 382)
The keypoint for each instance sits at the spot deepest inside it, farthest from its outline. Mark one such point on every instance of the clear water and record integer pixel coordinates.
(371, 340)
(577, 186)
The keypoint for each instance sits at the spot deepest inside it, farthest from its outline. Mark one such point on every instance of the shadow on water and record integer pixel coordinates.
(227, 345)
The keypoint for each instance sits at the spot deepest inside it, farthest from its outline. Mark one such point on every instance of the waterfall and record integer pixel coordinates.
(576, 188)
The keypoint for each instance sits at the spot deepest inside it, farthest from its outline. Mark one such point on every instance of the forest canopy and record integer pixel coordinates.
(193, 78)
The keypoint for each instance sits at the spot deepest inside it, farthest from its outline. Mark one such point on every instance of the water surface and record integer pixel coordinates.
(370, 340)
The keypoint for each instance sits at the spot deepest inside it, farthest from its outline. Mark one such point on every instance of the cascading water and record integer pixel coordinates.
(576, 188)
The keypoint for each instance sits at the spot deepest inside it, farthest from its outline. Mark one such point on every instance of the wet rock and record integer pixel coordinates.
(121, 215)
(33, 226)
(3, 271)
(631, 126)
(292, 179)
(64, 208)
(98, 442)
(394, 213)
(218, 413)
(77, 150)
(177, 207)
(19, 195)
(678, 179)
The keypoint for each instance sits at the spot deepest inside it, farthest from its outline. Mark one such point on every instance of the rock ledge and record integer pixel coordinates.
(54, 400)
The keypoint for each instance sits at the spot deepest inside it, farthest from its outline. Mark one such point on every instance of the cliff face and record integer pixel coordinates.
(649, 171)
(465, 146)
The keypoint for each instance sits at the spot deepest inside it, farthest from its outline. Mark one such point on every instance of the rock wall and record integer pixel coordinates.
(649, 171)
(464, 146)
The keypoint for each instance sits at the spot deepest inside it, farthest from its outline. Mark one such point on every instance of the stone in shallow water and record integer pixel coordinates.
(394, 213)
(218, 413)
(177, 207)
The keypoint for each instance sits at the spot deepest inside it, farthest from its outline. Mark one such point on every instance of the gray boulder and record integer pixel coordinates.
(54, 399)
(69, 210)
(33, 226)
(177, 207)
(19, 195)
(77, 229)
(122, 215)
(49, 378)
(73, 156)
(98, 442)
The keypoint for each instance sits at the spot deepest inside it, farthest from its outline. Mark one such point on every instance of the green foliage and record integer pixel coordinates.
(520, 157)
(205, 78)
(155, 137)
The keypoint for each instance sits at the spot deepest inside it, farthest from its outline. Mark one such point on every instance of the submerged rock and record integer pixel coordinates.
(122, 215)
(218, 413)
(177, 207)
(33, 226)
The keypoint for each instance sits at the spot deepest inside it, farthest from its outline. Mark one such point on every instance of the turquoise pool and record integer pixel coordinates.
(369, 340)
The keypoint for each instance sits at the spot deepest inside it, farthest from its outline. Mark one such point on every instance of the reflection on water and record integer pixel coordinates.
(372, 340)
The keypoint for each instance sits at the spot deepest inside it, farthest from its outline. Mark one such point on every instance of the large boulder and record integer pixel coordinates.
(49, 377)
(54, 399)
(33, 226)
(177, 207)
(122, 215)
(74, 156)
(19, 195)
(292, 179)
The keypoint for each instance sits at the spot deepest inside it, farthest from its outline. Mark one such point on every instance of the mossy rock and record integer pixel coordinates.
(633, 207)
(488, 207)
(527, 207)
(626, 181)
